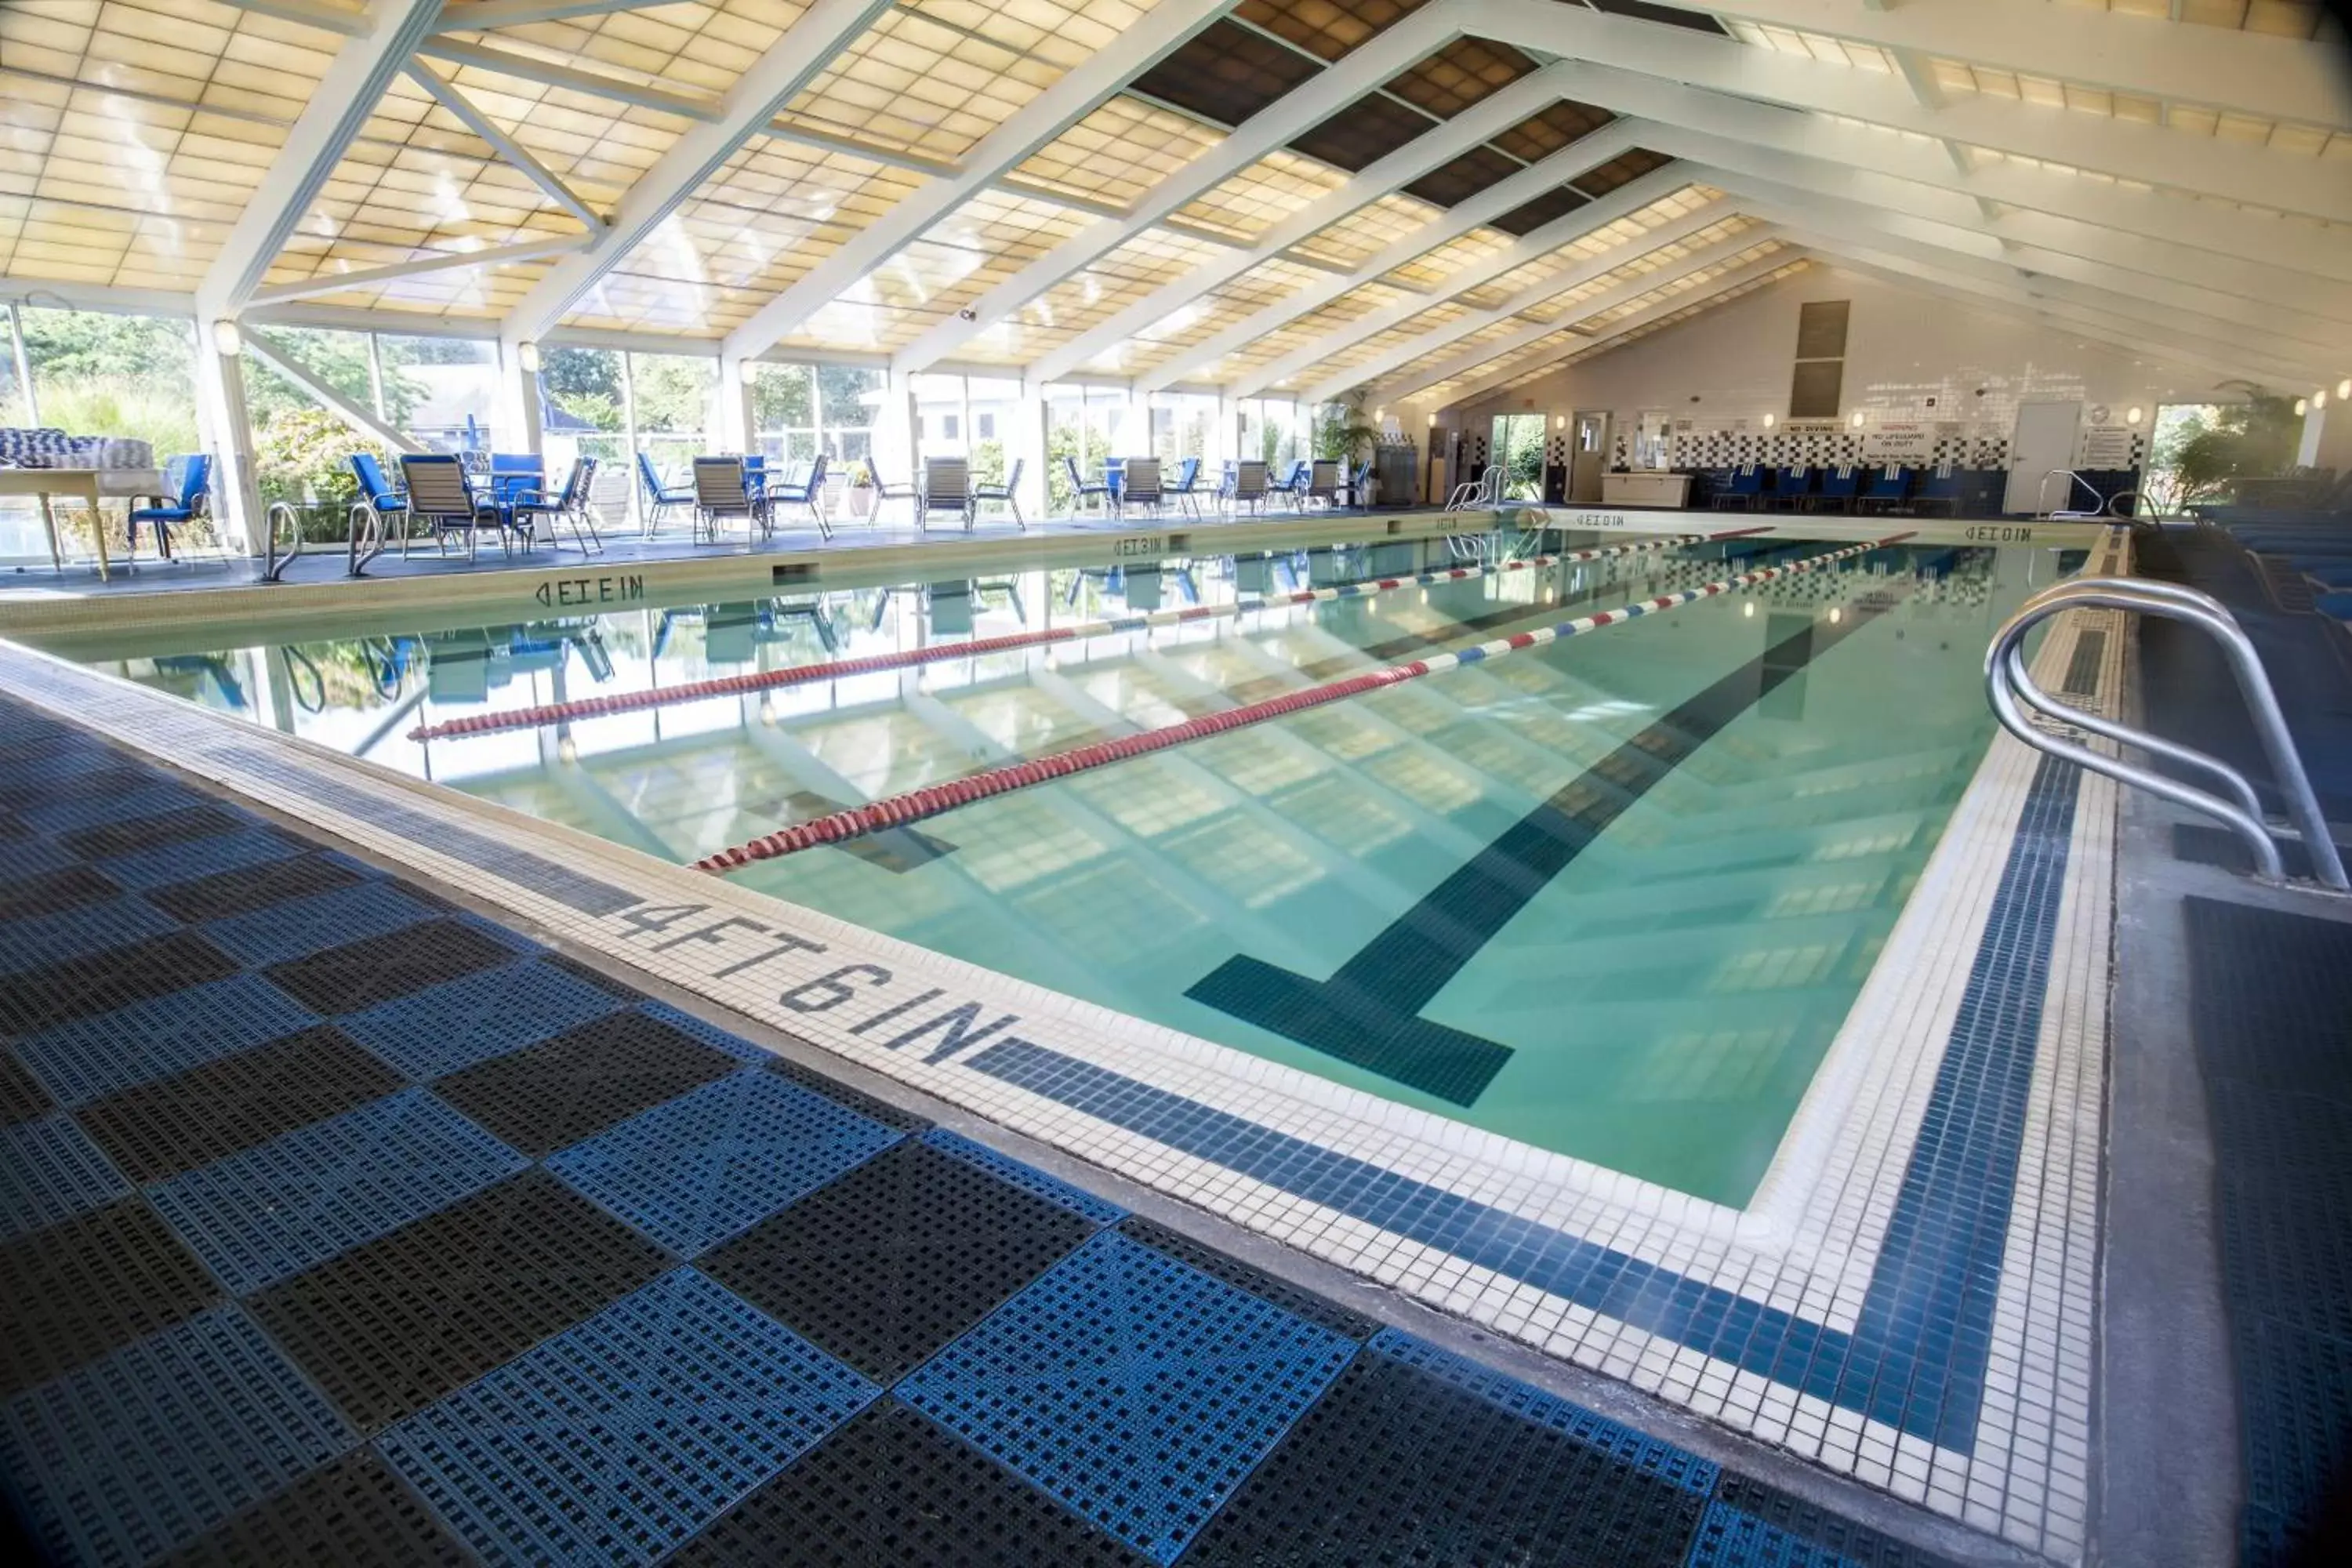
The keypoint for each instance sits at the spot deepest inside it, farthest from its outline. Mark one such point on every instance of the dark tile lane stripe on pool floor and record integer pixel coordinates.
(433, 1248)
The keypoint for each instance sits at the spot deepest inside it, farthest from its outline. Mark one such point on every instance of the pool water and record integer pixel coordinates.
(1611, 896)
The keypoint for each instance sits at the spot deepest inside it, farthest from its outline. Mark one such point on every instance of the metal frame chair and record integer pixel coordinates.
(376, 490)
(188, 482)
(947, 487)
(808, 491)
(981, 494)
(721, 491)
(441, 496)
(1888, 489)
(1793, 489)
(1186, 491)
(568, 505)
(659, 496)
(1840, 487)
(1080, 489)
(1139, 485)
(1245, 485)
(1323, 482)
(1746, 490)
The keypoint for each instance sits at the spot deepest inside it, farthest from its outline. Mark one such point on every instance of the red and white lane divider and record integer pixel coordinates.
(915, 805)
(800, 675)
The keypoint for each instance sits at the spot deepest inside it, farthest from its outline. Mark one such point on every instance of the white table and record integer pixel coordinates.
(84, 485)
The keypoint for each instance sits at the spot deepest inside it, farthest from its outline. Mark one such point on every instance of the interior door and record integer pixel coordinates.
(2044, 440)
(1588, 458)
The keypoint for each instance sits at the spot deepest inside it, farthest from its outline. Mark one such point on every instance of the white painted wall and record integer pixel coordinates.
(1909, 357)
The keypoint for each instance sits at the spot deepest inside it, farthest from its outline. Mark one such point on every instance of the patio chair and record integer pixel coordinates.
(1140, 485)
(568, 505)
(719, 493)
(947, 487)
(808, 491)
(1186, 489)
(1746, 490)
(375, 490)
(658, 496)
(1004, 492)
(1793, 490)
(1246, 486)
(1323, 482)
(1887, 490)
(1940, 491)
(1360, 486)
(1294, 484)
(1080, 489)
(187, 490)
(442, 497)
(1840, 487)
(886, 492)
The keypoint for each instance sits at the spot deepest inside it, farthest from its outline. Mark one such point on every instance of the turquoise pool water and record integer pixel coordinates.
(1613, 896)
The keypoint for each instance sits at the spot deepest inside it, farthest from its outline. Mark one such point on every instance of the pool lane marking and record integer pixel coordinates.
(915, 805)
(906, 658)
(1368, 1013)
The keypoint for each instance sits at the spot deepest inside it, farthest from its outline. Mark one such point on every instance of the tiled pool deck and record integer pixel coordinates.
(337, 1224)
(1907, 1300)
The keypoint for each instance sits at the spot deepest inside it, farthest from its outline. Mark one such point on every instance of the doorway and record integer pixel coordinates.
(2044, 442)
(1588, 458)
(1519, 448)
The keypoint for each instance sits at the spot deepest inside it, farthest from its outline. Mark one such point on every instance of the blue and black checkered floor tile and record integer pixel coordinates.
(337, 1225)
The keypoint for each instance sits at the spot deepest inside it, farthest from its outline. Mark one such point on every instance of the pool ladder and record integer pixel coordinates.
(367, 541)
(2017, 699)
(1486, 491)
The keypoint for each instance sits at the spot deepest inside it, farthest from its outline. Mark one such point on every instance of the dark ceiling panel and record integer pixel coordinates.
(1367, 128)
(1672, 16)
(1621, 170)
(1464, 177)
(1460, 74)
(1542, 210)
(1554, 129)
(1225, 73)
(1325, 28)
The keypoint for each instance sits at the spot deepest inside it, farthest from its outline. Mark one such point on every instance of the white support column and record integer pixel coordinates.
(519, 419)
(739, 429)
(894, 436)
(227, 426)
(1157, 33)
(1026, 446)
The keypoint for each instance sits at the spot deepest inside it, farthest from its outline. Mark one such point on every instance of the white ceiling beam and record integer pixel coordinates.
(475, 14)
(260, 346)
(2145, 336)
(548, 73)
(1162, 31)
(2194, 309)
(2256, 73)
(2125, 253)
(1440, 144)
(345, 97)
(1562, 167)
(316, 14)
(2151, 214)
(1738, 278)
(111, 298)
(2200, 165)
(495, 256)
(513, 152)
(789, 65)
(1633, 288)
(1625, 200)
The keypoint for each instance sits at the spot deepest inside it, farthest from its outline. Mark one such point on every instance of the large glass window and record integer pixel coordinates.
(1274, 430)
(991, 406)
(783, 411)
(1081, 424)
(458, 390)
(1181, 423)
(940, 422)
(676, 399)
(849, 401)
(583, 412)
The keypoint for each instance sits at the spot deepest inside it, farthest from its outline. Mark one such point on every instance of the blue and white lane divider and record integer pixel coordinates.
(914, 805)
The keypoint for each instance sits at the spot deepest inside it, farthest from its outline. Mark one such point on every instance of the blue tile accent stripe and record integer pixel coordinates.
(617, 1440)
(174, 1433)
(258, 1216)
(1917, 1354)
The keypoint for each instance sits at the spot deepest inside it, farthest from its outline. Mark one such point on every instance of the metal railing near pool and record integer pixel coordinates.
(2015, 696)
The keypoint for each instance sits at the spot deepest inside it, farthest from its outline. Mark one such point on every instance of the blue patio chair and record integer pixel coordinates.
(187, 490)
(513, 474)
(1006, 492)
(381, 493)
(1794, 490)
(1940, 491)
(442, 497)
(1185, 488)
(1840, 487)
(1080, 489)
(1746, 490)
(807, 491)
(1295, 484)
(1889, 487)
(569, 504)
(658, 496)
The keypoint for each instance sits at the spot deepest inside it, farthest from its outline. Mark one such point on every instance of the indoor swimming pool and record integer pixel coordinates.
(1611, 896)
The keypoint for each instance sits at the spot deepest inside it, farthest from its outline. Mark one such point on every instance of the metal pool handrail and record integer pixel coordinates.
(2006, 683)
(1487, 491)
(2041, 494)
(273, 565)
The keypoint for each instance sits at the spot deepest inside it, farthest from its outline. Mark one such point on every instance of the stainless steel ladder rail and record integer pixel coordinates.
(2059, 514)
(273, 565)
(2011, 689)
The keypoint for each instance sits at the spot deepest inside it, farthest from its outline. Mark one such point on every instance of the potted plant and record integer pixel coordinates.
(861, 489)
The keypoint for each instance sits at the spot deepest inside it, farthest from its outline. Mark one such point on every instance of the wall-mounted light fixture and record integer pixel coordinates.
(2319, 398)
(2344, 389)
(1380, 415)
(1857, 418)
(527, 356)
(2134, 415)
(2302, 407)
(1432, 421)
(1560, 421)
(227, 341)
(1770, 420)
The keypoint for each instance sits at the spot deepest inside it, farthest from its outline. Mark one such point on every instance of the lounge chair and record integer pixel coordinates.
(442, 497)
(658, 496)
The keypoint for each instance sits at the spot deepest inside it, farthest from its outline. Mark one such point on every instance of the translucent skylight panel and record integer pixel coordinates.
(933, 77)
(72, 243)
(1150, 261)
(1813, 46)
(597, 145)
(706, 44)
(1327, 29)
(1368, 231)
(474, 292)
(771, 215)
(185, 51)
(1696, 278)
(1305, 330)
(1431, 268)
(863, 327)
(1275, 187)
(1118, 153)
(626, 302)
